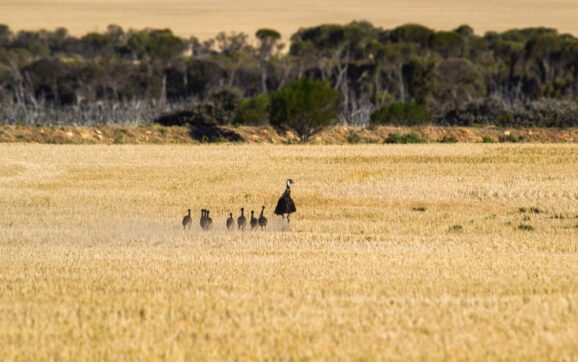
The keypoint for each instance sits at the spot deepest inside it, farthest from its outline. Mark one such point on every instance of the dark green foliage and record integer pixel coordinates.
(223, 104)
(447, 43)
(412, 33)
(305, 106)
(487, 139)
(254, 111)
(406, 138)
(155, 45)
(541, 113)
(263, 34)
(419, 208)
(353, 138)
(518, 78)
(509, 138)
(401, 114)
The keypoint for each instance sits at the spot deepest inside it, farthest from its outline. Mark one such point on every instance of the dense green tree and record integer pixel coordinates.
(412, 33)
(447, 44)
(96, 44)
(305, 106)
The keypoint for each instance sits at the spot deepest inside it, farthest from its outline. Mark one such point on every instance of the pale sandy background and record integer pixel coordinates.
(205, 18)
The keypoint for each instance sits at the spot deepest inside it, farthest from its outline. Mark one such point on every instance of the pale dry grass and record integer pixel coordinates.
(206, 18)
(95, 266)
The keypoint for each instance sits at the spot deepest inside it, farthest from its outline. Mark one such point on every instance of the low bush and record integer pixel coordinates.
(254, 111)
(448, 139)
(353, 138)
(494, 111)
(401, 114)
(406, 138)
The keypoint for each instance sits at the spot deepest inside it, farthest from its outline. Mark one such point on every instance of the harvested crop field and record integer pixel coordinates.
(435, 251)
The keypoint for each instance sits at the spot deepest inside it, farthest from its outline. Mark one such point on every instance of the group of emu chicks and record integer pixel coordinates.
(207, 223)
(285, 207)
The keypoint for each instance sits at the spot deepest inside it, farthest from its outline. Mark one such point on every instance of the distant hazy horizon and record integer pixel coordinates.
(206, 18)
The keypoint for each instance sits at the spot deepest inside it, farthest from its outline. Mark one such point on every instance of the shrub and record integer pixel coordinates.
(406, 138)
(448, 139)
(401, 114)
(510, 139)
(222, 105)
(254, 111)
(487, 139)
(219, 108)
(307, 106)
(353, 138)
(198, 114)
(419, 208)
(495, 111)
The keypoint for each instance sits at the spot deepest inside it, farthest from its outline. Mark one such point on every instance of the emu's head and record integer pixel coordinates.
(289, 183)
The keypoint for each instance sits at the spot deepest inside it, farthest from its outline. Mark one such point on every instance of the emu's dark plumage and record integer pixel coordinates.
(262, 219)
(203, 220)
(285, 205)
(209, 221)
(242, 220)
(254, 221)
(230, 222)
(187, 220)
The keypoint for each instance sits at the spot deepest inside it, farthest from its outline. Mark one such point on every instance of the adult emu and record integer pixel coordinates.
(285, 205)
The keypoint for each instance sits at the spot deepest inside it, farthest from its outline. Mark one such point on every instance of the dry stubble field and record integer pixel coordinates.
(94, 264)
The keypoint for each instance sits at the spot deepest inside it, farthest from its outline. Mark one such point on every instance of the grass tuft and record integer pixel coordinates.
(525, 227)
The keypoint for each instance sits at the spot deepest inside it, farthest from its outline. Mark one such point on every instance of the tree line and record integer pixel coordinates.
(366, 75)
